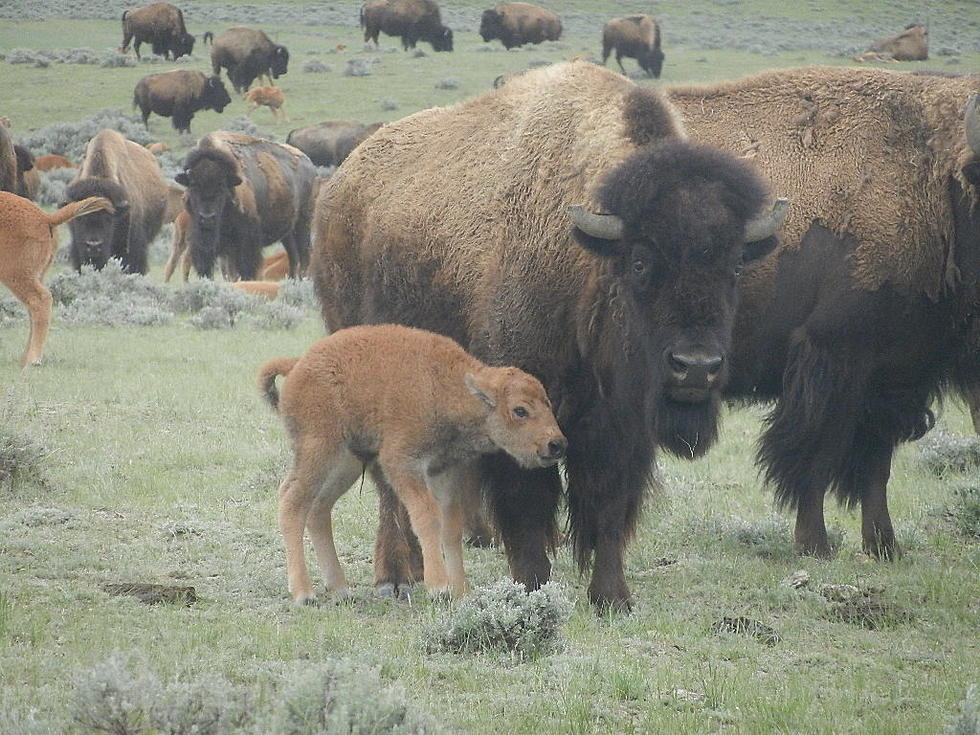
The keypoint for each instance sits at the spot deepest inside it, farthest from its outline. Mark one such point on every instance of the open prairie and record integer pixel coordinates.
(143, 454)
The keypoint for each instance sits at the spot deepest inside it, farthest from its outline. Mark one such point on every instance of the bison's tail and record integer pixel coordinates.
(268, 373)
(79, 208)
(207, 38)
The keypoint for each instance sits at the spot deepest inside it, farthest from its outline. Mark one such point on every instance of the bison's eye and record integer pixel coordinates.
(639, 267)
(521, 412)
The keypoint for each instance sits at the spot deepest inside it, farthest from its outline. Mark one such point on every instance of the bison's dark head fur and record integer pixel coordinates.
(98, 236)
(652, 62)
(280, 62)
(182, 45)
(491, 24)
(670, 280)
(442, 39)
(210, 177)
(215, 95)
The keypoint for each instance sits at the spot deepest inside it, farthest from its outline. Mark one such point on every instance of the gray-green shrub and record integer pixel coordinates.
(109, 297)
(22, 461)
(943, 452)
(967, 720)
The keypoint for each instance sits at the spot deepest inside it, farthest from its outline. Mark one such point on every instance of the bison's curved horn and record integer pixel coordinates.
(971, 121)
(603, 226)
(766, 224)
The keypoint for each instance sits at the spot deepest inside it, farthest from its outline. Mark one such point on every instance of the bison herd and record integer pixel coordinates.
(629, 254)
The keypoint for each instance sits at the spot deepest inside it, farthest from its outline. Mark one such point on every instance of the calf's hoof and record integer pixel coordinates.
(394, 590)
(306, 600)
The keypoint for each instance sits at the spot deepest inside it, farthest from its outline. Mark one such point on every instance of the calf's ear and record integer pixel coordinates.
(479, 385)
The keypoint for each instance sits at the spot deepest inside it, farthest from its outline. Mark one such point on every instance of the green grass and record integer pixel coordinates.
(163, 466)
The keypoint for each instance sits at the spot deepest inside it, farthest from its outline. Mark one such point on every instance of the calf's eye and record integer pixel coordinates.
(521, 412)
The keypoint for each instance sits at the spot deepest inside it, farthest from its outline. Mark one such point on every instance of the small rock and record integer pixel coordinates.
(798, 580)
(839, 592)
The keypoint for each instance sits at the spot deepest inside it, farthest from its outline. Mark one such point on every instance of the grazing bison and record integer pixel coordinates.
(912, 44)
(178, 95)
(129, 176)
(518, 23)
(27, 247)
(424, 411)
(328, 143)
(247, 53)
(244, 193)
(455, 220)
(412, 20)
(162, 26)
(635, 36)
(862, 317)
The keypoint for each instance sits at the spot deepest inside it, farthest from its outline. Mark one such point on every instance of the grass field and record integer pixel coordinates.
(160, 463)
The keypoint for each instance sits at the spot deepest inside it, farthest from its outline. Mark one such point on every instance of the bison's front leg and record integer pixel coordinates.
(397, 555)
(525, 506)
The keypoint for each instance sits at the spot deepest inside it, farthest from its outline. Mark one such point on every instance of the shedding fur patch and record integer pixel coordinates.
(649, 117)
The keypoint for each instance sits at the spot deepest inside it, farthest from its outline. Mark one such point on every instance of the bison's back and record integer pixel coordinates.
(235, 44)
(162, 92)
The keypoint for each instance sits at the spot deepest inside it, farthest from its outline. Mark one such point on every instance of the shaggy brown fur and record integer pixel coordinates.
(635, 36)
(27, 247)
(420, 407)
(271, 97)
(51, 161)
(8, 162)
(28, 178)
(321, 141)
(162, 26)
(178, 95)
(912, 44)
(247, 53)
(411, 20)
(518, 23)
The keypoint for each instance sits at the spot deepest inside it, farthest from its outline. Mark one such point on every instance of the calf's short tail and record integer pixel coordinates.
(268, 373)
(78, 209)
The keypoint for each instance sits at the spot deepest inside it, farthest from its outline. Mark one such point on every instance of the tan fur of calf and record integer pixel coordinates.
(265, 289)
(50, 161)
(912, 44)
(271, 97)
(423, 409)
(27, 247)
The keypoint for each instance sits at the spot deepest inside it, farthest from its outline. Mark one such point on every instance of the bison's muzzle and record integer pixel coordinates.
(693, 375)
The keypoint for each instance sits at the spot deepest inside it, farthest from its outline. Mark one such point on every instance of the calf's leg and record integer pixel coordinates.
(344, 471)
(38, 301)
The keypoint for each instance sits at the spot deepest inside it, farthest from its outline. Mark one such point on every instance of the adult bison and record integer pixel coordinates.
(912, 44)
(455, 220)
(8, 162)
(247, 53)
(329, 142)
(244, 193)
(129, 176)
(863, 316)
(28, 178)
(411, 20)
(635, 36)
(518, 23)
(178, 95)
(162, 26)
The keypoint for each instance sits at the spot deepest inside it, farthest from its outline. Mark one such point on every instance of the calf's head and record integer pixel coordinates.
(210, 177)
(519, 417)
(96, 236)
(679, 221)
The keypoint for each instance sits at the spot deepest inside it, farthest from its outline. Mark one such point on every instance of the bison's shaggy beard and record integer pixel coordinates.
(685, 429)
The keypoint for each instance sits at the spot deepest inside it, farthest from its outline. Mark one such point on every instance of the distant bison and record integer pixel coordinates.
(8, 162)
(518, 23)
(635, 36)
(412, 20)
(129, 176)
(247, 53)
(178, 95)
(328, 143)
(912, 44)
(244, 193)
(162, 26)
(28, 178)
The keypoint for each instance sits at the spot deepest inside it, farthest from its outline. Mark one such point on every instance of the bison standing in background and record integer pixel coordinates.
(635, 36)
(162, 26)
(624, 316)
(863, 317)
(247, 53)
(244, 193)
(129, 176)
(8, 162)
(518, 23)
(328, 143)
(178, 95)
(28, 178)
(412, 20)
(912, 44)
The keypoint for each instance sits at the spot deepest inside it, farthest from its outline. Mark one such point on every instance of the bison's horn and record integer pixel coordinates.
(603, 226)
(766, 225)
(971, 120)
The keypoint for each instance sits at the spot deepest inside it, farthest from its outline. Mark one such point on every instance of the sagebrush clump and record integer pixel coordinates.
(965, 509)
(22, 461)
(943, 452)
(109, 297)
(502, 618)
(967, 720)
(71, 139)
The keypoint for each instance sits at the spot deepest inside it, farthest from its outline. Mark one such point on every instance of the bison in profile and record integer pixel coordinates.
(862, 317)
(244, 193)
(162, 26)
(518, 23)
(623, 311)
(635, 36)
(412, 20)
(129, 176)
(178, 95)
(17, 172)
(247, 53)
(328, 143)
(912, 44)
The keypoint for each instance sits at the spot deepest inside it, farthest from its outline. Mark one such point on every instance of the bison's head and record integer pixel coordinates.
(280, 62)
(182, 45)
(652, 62)
(490, 24)
(680, 222)
(215, 96)
(98, 236)
(442, 40)
(210, 177)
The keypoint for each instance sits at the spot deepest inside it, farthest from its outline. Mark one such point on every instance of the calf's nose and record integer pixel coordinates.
(556, 448)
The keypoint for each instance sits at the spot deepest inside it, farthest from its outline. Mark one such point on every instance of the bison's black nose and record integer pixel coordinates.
(695, 368)
(556, 448)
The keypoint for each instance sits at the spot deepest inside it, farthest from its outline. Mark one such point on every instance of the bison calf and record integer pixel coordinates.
(271, 97)
(424, 410)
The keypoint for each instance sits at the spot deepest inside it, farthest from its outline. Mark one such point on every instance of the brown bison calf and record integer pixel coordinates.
(271, 97)
(420, 407)
(27, 247)
(50, 161)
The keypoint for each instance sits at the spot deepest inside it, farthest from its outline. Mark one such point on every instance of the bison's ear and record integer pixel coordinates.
(122, 207)
(598, 233)
(480, 385)
(183, 179)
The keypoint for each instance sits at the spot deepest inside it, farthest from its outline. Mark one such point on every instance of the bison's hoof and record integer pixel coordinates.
(395, 591)
(883, 549)
(818, 550)
(611, 602)
(306, 601)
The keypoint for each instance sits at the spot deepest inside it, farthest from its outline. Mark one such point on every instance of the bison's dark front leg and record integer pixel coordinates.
(877, 533)
(397, 556)
(810, 534)
(525, 506)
